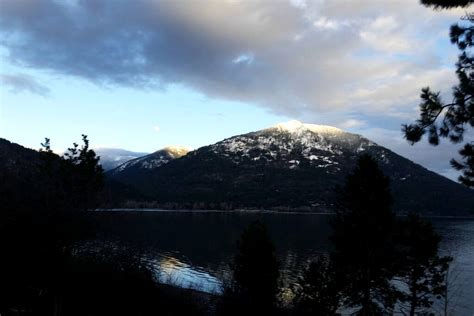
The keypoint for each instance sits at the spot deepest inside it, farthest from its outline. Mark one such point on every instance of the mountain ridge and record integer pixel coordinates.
(291, 165)
(153, 160)
(111, 158)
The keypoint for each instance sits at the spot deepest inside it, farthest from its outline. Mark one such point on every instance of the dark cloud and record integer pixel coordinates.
(22, 82)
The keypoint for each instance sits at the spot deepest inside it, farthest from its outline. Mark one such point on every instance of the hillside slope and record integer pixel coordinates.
(290, 166)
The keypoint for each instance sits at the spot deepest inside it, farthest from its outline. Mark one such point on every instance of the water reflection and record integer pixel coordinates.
(458, 242)
(170, 270)
(194, 250)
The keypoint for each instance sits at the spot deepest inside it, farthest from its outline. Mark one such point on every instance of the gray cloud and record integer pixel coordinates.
(22, 82)
(320, 55)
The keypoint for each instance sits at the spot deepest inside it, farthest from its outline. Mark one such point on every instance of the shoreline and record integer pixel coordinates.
(245, 211)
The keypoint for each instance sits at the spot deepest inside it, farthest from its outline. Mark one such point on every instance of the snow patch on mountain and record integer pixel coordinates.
(156, 159)
(291, 143)
(177, 151)
(111, 158)
(295, 126)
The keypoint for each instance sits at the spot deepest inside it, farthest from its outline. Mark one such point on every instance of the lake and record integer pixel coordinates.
(194, 249)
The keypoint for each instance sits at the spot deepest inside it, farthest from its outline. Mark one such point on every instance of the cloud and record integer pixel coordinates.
(351, 123)
(325, 23)
(22, 82)
(289, 57)
(156, 128)
(435, 158)
(380, 35)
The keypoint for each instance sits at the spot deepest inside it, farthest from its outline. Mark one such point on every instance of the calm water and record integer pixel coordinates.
(194, 249)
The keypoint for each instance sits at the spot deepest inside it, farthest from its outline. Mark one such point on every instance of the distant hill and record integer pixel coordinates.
(288, 166)
(20, 179)
(111, 158)
(22, 182)
(15, 157)
(151, 161)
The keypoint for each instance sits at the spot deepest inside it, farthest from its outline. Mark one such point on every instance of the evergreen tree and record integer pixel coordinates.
(362, 237)
(70, 184)
(44, 221)
(446, 4)
(318, 291)
(84, 174)
(73, 181)
(254, 286)
(451, 120)
(421, 271)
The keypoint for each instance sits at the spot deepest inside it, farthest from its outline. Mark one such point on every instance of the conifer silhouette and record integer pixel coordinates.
(362, 237)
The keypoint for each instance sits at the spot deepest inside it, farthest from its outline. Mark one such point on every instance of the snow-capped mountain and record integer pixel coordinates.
(289, 144)
(153, 160)
(291, 165)
(111, 158)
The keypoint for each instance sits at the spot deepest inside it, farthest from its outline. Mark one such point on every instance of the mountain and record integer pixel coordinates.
(21, 182)
(150, 161)
(16, 158)
(111, 158)
(289, 166)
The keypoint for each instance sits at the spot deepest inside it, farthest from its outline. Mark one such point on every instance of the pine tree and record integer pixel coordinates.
(421, 271)
(73, 181)
(47, 224)
(254, 286)
(84, 174)
(362, 237)
(446, 4)
(451, 120)
(318, 290)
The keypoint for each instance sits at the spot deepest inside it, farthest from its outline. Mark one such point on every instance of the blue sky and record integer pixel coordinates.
(120, 117)
(141, 75)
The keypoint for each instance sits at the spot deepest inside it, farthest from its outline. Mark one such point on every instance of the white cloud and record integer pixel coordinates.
(156, 128)
(325, 23)
(351, 123)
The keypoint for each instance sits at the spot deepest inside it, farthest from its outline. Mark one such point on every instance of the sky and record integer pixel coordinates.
(141, 75)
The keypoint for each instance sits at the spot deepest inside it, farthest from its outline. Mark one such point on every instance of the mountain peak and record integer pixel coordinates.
(177, 151)
(111, 158)
(295, 126)
(290, 166)
(154, 160)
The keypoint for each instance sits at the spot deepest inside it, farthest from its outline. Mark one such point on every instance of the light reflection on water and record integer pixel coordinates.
(170, 270)
(194, 250)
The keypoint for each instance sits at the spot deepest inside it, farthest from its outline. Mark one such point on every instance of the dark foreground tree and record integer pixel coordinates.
(453, 119)
(254, 287)
(362, 237)
(446, 4)
(43, 220)
(421, 272)
(318, 290)
(72, 182)
(47, 267)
